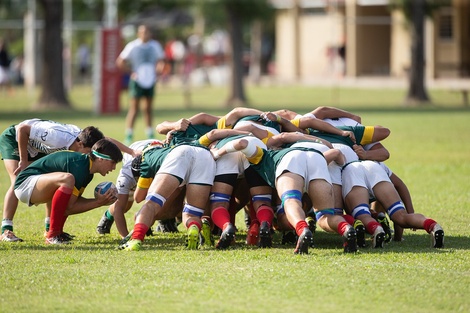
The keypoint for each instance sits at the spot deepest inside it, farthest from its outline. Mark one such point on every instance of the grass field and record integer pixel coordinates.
(429, 151)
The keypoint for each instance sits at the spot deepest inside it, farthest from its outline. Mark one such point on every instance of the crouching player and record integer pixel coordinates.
(59, 180)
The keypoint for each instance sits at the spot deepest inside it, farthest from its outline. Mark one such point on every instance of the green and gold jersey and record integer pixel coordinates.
(75, 163)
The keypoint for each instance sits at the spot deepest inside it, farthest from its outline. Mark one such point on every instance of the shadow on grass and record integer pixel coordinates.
(413, 243)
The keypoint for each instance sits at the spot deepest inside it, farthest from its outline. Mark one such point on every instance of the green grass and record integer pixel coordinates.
(429, 151)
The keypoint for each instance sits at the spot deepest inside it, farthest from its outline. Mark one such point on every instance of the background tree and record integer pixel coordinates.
(53, 93)
(239, 15)
(415, 12)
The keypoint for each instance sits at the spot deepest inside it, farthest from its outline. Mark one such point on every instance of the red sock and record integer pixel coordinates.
(372, 226)
(59, 203)
(140, 229)
(429, 224)
(342, 228)
(220, 217)
(299, 227)
(349, 219)
(265, 214)
(194, 222)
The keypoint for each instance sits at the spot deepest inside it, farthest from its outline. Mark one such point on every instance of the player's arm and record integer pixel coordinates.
(123, 147)
(217, 134)
(120, 207)
(22, 132)
(315, 123)
(78, 204)
(142, 188)
(286, 125)
(323, 112)
(288, 137)
(377, 153)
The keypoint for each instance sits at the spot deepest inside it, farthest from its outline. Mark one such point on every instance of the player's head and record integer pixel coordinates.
(135, 166)
(144, 33)
(107, 150)
(89, 136)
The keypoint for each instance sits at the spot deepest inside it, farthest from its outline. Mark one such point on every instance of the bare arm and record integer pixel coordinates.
(123, 65)
(123, 147)
(315, 123)
(23, 132)
(288, 137)
(79, 204)
(332, 112)
(121, 206)
(377, 153)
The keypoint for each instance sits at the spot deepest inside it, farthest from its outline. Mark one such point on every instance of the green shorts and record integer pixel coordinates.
(135, 91)
(9, 146)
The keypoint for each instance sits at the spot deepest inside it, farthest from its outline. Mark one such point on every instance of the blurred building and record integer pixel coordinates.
(354, 38)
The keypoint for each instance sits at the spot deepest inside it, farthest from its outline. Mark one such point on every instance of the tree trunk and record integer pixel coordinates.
(237, 92)
(417, 93)
(53, 94)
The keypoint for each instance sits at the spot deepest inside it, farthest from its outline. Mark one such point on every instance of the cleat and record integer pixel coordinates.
(289, 237)
(57, 240)
(350, 245)
(378, 238)
(312, 223)
(382, 219)
(252, 236)
(104, 226)
(131, 245)
(265, 239)
(149, 232)
(206, 234)
(305, 240)
(192, 239)
(126, 239)
(437, 236)
(228, 235)
(10, 236)
(360, 233)
(167, 226)
(67, 236)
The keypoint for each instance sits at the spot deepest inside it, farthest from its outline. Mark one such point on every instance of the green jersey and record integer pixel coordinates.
(75, 163)
(191, 135)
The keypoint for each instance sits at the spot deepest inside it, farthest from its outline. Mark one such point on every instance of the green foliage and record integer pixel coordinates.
(427, 152)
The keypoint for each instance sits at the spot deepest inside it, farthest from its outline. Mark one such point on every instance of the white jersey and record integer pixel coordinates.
(49, 136)
(125, 181)
(143, 57)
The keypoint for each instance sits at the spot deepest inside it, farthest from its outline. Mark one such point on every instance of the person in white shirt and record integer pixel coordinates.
(143, 59)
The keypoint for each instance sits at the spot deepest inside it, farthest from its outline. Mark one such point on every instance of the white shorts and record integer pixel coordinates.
(364, 174)
(231, 163)
(308, 164)
(194, 165)
(333, 168)
(24, 191)
(125, 184)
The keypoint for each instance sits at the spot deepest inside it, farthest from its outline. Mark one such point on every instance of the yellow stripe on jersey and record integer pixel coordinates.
(257, 157)
(221, 124)
(204, 140)
(296, 122)
(144, 183)
(77, 192)
(367, 137)
(265, 139)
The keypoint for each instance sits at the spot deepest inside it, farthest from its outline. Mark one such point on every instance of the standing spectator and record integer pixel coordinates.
(83, 60)
(4, 64)
(143, 58)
